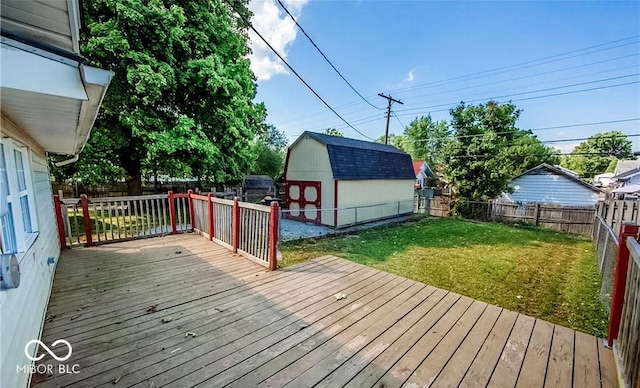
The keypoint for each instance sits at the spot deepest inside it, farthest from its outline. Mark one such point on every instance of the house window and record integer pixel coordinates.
(19, 225)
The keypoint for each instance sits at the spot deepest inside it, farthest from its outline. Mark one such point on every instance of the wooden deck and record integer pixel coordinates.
(231, 323)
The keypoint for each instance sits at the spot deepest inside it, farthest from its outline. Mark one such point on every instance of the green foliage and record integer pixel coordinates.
(427, 140)
(488, 150)
(333, 132)
(269, 151)
(599, 154)
(398, 141)
(181, 101)
(545, 274)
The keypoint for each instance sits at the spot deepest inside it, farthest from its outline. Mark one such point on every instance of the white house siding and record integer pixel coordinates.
(396, 195)
(309, 161)
(22, 309)
(552, 189)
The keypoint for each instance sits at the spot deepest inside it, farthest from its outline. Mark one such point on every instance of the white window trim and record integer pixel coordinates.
(24, 240)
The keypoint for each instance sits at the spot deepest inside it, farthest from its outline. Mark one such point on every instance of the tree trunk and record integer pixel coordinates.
(134, 184)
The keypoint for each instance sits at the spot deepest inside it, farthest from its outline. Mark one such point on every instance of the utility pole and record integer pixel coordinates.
(390, 100)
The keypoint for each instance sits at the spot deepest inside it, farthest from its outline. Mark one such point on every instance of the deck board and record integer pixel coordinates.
(252, 327)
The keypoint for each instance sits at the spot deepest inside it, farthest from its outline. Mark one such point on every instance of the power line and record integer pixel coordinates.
(634, 66)
(554, 154)
(528, 98)
(310, 117)
(325, 57)
(524, 132)
(529, 92)
(530, 129)
(498, 70)
(293, 70)
(585, 124)
(586, 138)
(398, 119)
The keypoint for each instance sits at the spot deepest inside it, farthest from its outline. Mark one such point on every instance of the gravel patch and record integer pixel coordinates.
(295, 230)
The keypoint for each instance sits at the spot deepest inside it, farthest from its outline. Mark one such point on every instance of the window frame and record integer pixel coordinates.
(23, 238)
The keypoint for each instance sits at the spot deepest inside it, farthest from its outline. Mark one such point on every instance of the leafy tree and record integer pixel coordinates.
(598, 154)
(488, 150)
(398, 141)
(181, 101)
(427, 140)
(333, 132)
(269, 153)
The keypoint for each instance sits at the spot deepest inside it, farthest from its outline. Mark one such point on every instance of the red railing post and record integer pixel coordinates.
(87, 220)
(60, 221)
(274, 231)
(235, 225)
(191, 210)
(628, 229)
(210, 211)
(172, 213)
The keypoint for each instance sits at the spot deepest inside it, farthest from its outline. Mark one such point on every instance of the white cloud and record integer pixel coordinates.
(278, 29)
(566, 148)
(409, 76)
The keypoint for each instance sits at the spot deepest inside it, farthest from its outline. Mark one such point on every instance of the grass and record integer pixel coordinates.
(534, 271)
(104, 223)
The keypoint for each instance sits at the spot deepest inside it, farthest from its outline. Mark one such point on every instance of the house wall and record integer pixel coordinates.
(309, 161)
(634, 180)
(390, 197)
(22, 309)
(552, 189)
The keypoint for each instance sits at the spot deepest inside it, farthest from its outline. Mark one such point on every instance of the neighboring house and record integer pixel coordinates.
(627, 192)
(337, 181)
(552, 185)
(628, 178)
(625, 165)
(603, 180)
(50, 99)
(421, 170)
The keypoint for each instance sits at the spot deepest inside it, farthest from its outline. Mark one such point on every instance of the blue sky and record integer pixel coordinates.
(413, 49)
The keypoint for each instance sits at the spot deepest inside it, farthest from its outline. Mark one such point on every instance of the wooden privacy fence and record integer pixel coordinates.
(624, 321)
(572, 219)
(616, 212)
(434, 206)
(248, 229)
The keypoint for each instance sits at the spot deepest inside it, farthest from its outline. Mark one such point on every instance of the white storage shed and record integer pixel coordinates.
(338, 182)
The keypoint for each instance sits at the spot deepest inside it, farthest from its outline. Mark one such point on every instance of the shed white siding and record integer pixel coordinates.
(22, 309)
(368, 200)
(551, 188)
(309, 161)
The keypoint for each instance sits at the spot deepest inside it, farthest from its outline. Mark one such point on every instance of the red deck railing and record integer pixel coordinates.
(624, 320)
(250, 230)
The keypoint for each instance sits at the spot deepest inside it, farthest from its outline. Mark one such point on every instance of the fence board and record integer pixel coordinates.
(617, 212)
(571, 219)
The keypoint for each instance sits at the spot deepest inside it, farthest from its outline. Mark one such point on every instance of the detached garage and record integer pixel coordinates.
(338, 182)
(552, 185)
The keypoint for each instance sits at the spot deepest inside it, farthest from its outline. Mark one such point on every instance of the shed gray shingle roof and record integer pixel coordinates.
(356, 159)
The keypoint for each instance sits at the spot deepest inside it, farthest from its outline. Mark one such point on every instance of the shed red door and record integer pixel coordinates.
(303, 200)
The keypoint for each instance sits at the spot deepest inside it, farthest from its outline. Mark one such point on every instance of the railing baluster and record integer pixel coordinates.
(118, 218)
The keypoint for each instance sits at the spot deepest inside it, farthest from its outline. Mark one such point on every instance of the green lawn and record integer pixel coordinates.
(542, 273)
